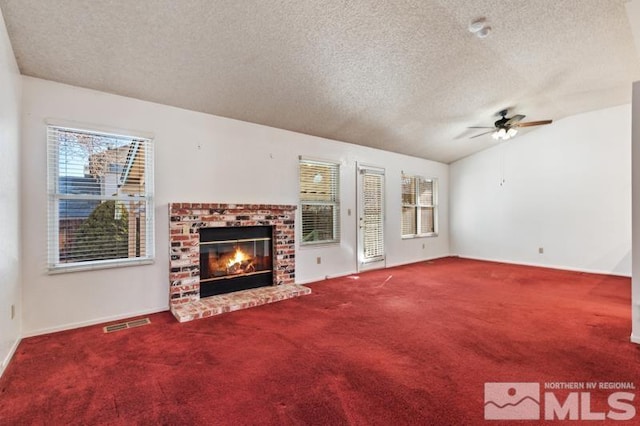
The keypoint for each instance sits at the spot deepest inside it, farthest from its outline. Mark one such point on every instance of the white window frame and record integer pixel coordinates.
(418, 206)
(55, 196)
(334, 203)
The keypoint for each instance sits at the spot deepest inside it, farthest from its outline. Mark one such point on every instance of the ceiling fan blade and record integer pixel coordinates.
(513, 120)
(485, 133)
(534, 123)
(481, 127)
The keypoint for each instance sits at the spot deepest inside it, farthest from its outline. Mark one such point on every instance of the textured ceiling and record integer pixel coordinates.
(403, 75)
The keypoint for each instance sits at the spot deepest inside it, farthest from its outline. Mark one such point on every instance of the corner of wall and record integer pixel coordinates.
(9, 356)
(10, 250)
(635, 215)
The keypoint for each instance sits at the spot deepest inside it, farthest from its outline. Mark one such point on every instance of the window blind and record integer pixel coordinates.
(100, 189)
(319, 201)
(373, 215)
(409, 219)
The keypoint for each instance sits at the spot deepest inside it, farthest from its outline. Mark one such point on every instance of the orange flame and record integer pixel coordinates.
(238, 257)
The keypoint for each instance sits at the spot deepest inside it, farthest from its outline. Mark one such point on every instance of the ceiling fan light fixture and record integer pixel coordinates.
(503, 134)
(507, 127)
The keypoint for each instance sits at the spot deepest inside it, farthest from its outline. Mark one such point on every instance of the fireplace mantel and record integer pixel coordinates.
(185, 222)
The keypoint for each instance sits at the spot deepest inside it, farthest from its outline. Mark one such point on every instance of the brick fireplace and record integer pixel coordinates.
(185, 222)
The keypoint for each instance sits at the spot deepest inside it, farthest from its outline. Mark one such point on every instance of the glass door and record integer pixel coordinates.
(371, 248)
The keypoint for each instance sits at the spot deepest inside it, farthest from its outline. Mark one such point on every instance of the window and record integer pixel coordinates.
(419, 207)
(319, 202)
(100, 189)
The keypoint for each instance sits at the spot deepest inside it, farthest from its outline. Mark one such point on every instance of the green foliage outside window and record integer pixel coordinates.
(104, 235)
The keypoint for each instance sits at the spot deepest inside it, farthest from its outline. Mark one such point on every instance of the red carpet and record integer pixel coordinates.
(407, 345)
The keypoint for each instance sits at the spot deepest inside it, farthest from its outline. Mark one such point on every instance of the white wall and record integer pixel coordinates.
(635, 282)
(565, 187)
(9, 199)
(199, 158)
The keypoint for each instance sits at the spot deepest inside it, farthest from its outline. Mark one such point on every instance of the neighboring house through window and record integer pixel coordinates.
(100, 190)
(319, 201)
(419, 207)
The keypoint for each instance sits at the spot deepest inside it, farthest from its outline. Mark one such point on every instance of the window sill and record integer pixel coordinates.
(319, 244)
(99, 264)
(411, 237)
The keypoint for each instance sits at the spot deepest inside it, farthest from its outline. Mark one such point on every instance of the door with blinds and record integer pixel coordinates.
(371, 248)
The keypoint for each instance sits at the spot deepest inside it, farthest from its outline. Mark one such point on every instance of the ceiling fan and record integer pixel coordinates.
(507, 127)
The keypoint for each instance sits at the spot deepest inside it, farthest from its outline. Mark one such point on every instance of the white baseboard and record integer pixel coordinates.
(41, 331)
(354, 272)
(635, 339)
(538, 265)
(7, 359)
(326, 277)
(427, 259)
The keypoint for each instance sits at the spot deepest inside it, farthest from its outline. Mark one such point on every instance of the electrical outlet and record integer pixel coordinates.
(422, 246)
(541, 250)
(318, 260)
(13, 311)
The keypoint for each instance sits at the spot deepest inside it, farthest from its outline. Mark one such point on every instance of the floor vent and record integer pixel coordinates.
(124, 325)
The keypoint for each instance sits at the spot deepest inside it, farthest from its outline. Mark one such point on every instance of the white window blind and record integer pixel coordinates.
(100, 189)
(319, 201)
(419, 206)
(373, 215)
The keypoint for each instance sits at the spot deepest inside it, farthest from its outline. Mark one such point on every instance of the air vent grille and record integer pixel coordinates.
(125, 325)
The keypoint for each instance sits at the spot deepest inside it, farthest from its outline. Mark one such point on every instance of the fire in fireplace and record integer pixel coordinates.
(235, 258)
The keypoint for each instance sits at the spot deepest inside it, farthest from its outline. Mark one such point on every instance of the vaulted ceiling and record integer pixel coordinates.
(401, 75)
